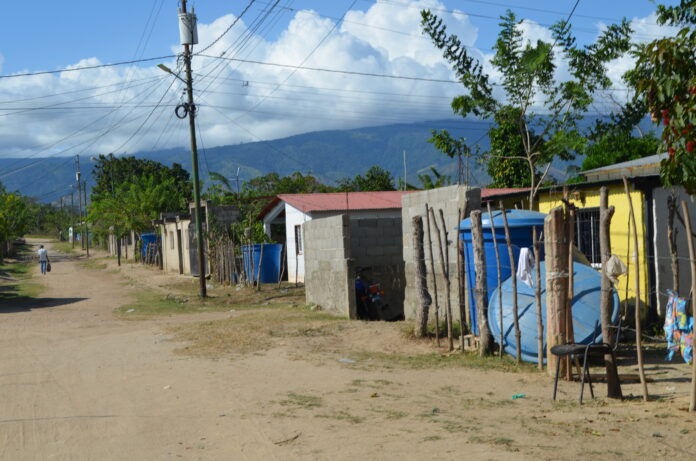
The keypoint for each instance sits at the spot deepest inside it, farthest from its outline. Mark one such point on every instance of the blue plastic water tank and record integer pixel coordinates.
(520, 223)
(147, 239)
(586, 314)
(269, 272)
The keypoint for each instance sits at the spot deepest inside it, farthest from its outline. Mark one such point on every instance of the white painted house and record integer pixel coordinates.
(284, 216)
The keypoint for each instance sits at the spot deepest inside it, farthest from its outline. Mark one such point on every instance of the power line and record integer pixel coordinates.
(97, 66)
(228, 28)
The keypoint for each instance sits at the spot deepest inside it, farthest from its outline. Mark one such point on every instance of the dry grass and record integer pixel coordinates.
(254, 330)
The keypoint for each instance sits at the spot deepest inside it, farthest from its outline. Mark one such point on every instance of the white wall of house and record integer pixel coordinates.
(295, 257)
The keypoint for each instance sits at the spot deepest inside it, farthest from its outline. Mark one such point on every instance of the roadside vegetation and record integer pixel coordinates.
(16, 276)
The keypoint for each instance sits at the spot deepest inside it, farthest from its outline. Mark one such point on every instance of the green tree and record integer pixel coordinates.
(15, 218)
(436, 180)
(453, 148)
(375, 179)
(665, 83)
(619, 146)
(506, 160)
(548, 109)
(110, 172)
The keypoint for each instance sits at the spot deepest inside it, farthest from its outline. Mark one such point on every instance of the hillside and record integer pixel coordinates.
(329, 155)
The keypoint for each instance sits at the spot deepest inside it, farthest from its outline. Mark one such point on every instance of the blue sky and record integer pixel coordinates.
(128, 109)
(61, 33)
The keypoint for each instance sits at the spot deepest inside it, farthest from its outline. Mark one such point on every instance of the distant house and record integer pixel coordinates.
(284, 216)
(178, 231)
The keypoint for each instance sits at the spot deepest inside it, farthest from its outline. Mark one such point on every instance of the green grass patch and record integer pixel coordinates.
(254, 330)
(307, 402)
(95, 264)
(342, 416)
(435, 360)
(65, 247)
(16, 272)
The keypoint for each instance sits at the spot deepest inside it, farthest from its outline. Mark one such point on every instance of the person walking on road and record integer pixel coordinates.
(43, 259)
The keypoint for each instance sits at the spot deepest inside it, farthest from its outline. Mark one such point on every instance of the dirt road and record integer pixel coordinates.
(78, 383)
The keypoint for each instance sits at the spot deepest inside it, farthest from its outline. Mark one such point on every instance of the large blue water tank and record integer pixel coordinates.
(586, 313)
(269, 272)
(521, 223)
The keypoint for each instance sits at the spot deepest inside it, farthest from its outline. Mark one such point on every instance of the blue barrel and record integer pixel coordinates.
(147, 239)
(269, 272)
(586, 314)
(520, 223)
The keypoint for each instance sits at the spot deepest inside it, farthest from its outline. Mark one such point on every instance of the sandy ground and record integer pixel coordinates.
(78, 383)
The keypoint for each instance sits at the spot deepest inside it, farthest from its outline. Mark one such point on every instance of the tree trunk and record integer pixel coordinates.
(692, 258)
(500, 291)
(537, 298)
(556, 246)
(481, 284)
(513, 268)
(422, 295)
(428, 211)
(636, 266)
(606, 301)
(672, 239)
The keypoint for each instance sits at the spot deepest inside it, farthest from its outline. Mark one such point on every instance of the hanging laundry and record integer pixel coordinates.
(678, 328)
(615, 268)
(525, 265)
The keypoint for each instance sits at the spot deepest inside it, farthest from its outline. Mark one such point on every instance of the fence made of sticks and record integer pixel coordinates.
(435, 309)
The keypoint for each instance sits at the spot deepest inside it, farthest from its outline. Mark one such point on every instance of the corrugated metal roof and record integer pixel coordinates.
(646, 166)
(336, 201)
(492, 192)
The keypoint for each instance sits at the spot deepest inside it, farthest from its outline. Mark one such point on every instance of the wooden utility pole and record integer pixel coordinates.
(636, 266)
(500, 281)
(422, 296)
(190, 109)
(692, 259)
(481, 284)
(84, 189)
(78, 176)
(428, 211)
(537, 297)
(513, 276)
(606, 300)
(556, 246)
(72, 213)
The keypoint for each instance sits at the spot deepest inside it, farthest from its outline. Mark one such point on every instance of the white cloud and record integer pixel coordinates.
(242, 102)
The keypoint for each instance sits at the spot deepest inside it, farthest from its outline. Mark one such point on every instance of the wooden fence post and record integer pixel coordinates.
(569, 329)
(672, 239)
(606, 301)
(537, 298)
(636, 267)
(692, 258)
(428, 211)
(461, 277)
(556, 247)
(500, 282)
(445, 274)
(423, 297)
(448, 283)
(481, 284)
(513, 268)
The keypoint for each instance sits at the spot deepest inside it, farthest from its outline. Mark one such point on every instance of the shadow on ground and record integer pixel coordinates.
(11, 301)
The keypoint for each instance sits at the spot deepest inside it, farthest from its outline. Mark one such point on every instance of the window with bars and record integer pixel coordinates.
(587, 233)
(298, 240)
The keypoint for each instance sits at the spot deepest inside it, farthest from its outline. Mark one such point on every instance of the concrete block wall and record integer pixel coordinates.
(377, 243)
(450, 199)
(328, 270)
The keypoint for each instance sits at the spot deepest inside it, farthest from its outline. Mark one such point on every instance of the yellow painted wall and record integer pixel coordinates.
(621, 230)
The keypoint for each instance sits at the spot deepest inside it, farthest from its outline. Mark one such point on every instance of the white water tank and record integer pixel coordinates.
(188, 30)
